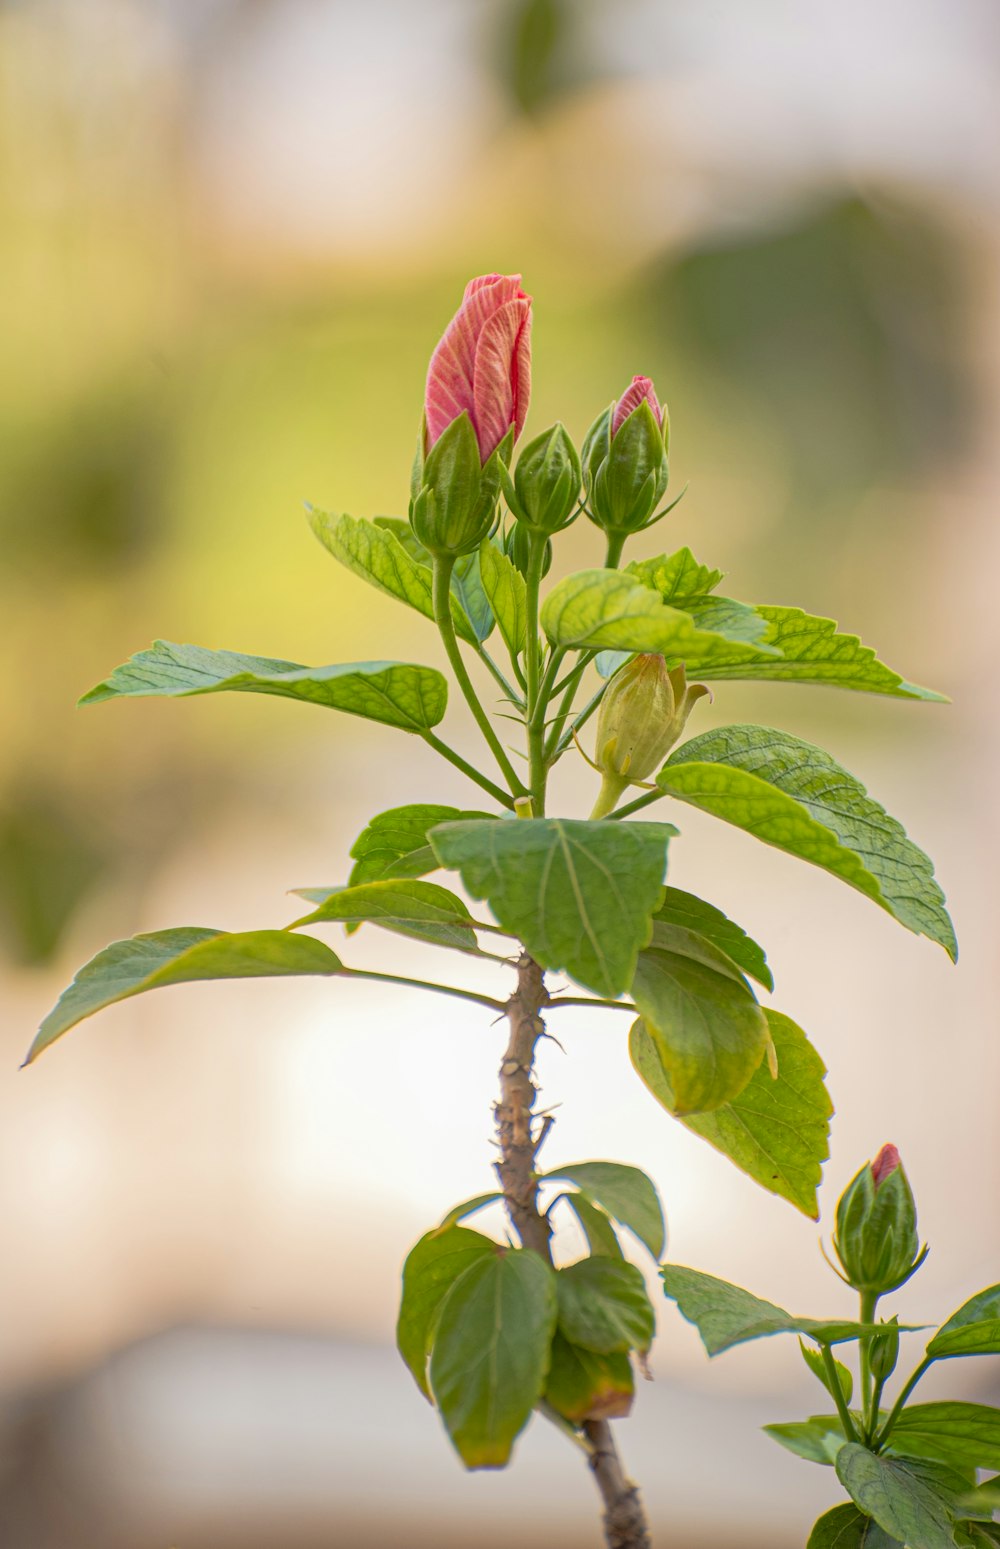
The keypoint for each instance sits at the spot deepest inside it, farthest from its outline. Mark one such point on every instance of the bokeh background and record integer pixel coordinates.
(231, 232)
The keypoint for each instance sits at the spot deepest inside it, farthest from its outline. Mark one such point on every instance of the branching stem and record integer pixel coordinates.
(425, 984)
(483, 781)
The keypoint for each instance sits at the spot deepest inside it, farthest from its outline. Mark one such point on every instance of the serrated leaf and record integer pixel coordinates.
(583, 1385)
(600, 1234)
(609, 610)
(810, 650)
(625, 1193)
(394, 843)
(817, 1439)
(797, 798)
(702, 1017)
(431, 1269)
(963, 1435)
(680, 908)
(816, 1364)
(726, 1315)
(973, 1330)
(604, 1306)
(579, 895)
(505, 590)
(491, 1353)
(422, 910)
(913, 1502)
(180, 956)
(395, 693)
(682, 582)
(845, 1527)
(377, 556)
(777, 1129)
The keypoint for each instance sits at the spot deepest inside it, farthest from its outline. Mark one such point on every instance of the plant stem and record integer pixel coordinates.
(510, 691)
(882, 1436)
(637, 805)
(838, 1397)
(624, 1518)
(868, 1301)
(473, 773)
(580, 720)
(443, 567)
(532, 665)
(425, 984)
(589, 1000)
(616, 542)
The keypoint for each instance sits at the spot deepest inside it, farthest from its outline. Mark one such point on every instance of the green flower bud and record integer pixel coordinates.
(454, 507)
(883, 1351)
(625, 467)
(546, 483)
(876, 1237)
(643, 712)
(517, 542)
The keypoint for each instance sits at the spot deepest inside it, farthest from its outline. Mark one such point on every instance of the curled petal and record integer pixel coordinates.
(500, 378)
(884, 1164)
(454, 370)
(641, 390)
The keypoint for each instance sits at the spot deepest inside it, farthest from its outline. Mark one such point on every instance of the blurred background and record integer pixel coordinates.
(231, 232)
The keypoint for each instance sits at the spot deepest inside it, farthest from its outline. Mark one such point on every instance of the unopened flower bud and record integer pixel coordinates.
(625, 465)
(643, 712)
(517, 544)
(546, 484)
(876, 1237)
(883, 1351)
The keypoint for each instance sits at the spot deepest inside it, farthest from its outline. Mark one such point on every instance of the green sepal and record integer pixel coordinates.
(629, 482)
(452, 512)
(547, 482)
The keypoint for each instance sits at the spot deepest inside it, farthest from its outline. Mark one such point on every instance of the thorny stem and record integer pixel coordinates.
(624, 1518)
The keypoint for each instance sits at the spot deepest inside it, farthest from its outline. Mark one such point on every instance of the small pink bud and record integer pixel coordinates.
(641, 390)
(885, 1164)
(482, 365)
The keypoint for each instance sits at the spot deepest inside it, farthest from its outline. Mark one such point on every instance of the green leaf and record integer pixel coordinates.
(394, 843)
(682, 582)
(603, 1306)
(598, 610)
(583, 1385)
(579, 895)
(973, 1330)
(726, 1315)
(377, 556)
(431, 1269)
(491, 1353)
(777, 1129)
(794, 796)
(702, 1017)
(816, 1364)
(468, 1207)
(809, 650)
(412, 908)
(395, 693)
(817, 1439)
(504, 586)
(845, 1527)
(977, 1535)
(181, 956)
(964, 1435)
(600, 1234)
(914, 1502)
(679, 908)
(625, 1193)
(466, 583)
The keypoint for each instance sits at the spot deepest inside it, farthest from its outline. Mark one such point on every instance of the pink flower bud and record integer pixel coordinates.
(483, 364)
(641, 389)
(885, 1164)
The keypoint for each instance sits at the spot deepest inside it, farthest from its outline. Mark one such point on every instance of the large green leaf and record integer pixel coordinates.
(376, 555)
(817, 1439)
(700, 1013)
(466, 583)
(682, 582)
(504, 586)
(579, 895)
(597, 610)
(845, 1527)
(180, 956)
(726, 1315)
(412, 908)
(431, 1269)
(777, 1129)
(914, 1502)
(491, 1353)
(395, 693)
(603, 1306)
(810, 650)
(583, 1385)
(602, 1239)
(973, 1330)
(394, 843)
(964, 1435)
(679, 908)
(625, 1193)
(794, 796)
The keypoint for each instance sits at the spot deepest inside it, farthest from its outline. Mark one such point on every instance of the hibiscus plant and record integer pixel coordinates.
(494, 1331)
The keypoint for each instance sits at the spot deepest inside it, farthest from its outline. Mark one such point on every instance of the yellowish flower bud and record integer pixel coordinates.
(643, 713)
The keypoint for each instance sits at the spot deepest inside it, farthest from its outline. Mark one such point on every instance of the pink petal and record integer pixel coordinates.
(451, 374)
(641, 389)
(501, 378)
(884, 1164)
